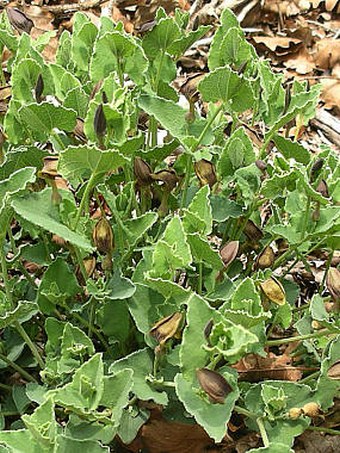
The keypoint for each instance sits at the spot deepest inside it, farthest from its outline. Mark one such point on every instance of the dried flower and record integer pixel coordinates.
(333, 283)
(79, 130)
(261, 165)
(103, 236)
(265, 259)
(167, 327)
(205, 172)
(334, 371)
(274, 291)
(295, 412)
(214, 385)
(168, 177)
(50, 168)
(142, 172)
(311, 409)
(99, 121)
(19, 20)
(229, 252)
(208, 328)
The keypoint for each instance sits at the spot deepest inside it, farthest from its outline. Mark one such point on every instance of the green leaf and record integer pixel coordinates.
(76, 99)
(23, 312)
(20, 441)
(327, 389)
(317, 309)
(40, 119)
(118, 52)
(64, 81)
(238, 152)
(116, 393)
(83, 41)
(161, 37)
(228, 21)
(223, 208)
(130, 424)
(66, 349)
(272, 99)
(57, 285)
(85, 391)
(179, 46)
(272, 448)
(203, 252)
(77, 163)
(292, 150)
(119, 287)
(212, 417)
(141, 362)
(173, 118)
(192, 353)
(66, 444)
(22, 157)
(15, 183)
(42, 424)
(224, 84)
(172, 250)
(198, 217)
(234, 50)
(46, 217)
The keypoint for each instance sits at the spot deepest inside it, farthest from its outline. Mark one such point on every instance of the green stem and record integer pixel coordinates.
(17, 368)
(84, 200)
(91, 317)
(333, 432)
(242, 411)
(213, 363)
(309, 377)
(8, 388)
(200, 278)
(30, 344)
(9, 413)
(263, 432)
(320, 333)
(305, 219)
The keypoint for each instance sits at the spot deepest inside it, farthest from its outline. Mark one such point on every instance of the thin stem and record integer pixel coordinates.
(91, 317)
(8, 388)
(263, 432)
(309, 377)
(213, 363)
(200, 278)
(333, 432)
(17, 368)
(320, 333)
(9, 413)
(242, 411)
(30, 344)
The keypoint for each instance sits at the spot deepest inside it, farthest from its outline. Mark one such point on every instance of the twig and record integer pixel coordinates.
(72, 7)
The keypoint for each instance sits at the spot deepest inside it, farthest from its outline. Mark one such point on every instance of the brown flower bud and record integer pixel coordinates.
(205, 172)
(166, 328)
(265, 259)
(142, 172)
(334, 371)
(19, 20)
(103, 236)
(99, 121)
(252, 231)
(323, 188)
(311, 409)
(261, 165)
(295, 412)
(316, 325)
(333, 283)
(317, 166)
(229, 252)
(96, 89)
(189, 87)
(39, 88)
(214, 385)
(168, 177)
(274, 291)
(89, 265)
(208, 328)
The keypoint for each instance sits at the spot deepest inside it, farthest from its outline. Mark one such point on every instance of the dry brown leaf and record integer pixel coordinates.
(330, 94)
(327, 54)
(162, 436)
(279, 45)
(302, 62)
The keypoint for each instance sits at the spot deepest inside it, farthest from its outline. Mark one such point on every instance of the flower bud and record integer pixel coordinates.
(295, 412)
(142, 172)
(229, 252)
(334, 371)
(166, 328)
(214, 385)
(205, 172)
(323, 188)
(99, 122)
(333, 283)
(311, 409)
(78, 131)
(316, 325)
(252, 231)
(315, 170)
(265, 259)
(274, 291)
(39, 88)
(103, 236)
(261, 165)
(50, 168)
(19, 20)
